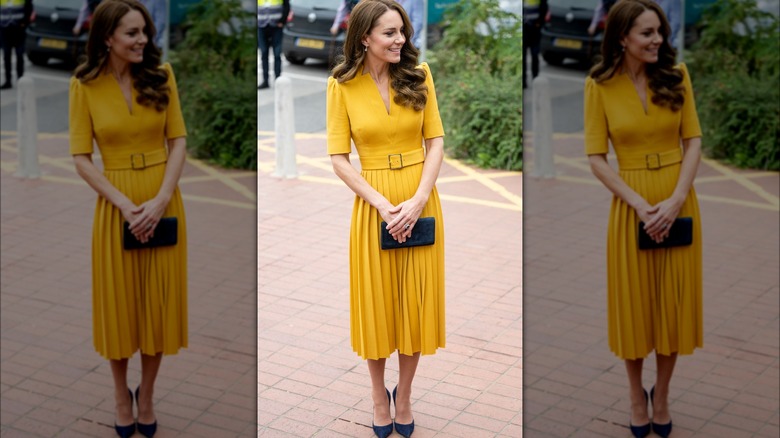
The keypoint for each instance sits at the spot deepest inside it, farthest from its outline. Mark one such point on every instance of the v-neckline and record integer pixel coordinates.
(128, 105)
(645, 105)
(375, 86)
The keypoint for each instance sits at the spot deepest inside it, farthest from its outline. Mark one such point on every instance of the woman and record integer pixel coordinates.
(638, 99)
(122, 98)
(382, 100)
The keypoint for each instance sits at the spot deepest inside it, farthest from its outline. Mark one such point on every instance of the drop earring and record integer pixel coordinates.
(365, 48)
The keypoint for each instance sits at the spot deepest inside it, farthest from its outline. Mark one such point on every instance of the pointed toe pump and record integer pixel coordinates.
(383, 431)
(403, 429)
(125, 431)
(640, 431)
(147, 430)
(662, 430)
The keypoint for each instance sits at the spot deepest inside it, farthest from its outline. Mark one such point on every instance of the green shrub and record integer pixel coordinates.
(736, 71)
(478, 84)
(216, 66)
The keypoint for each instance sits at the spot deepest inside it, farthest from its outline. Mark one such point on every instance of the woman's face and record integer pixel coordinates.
(644, 39)
(385, 40)
(128, 40)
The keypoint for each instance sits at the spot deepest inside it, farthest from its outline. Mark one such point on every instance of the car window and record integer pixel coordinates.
(575, 4)
(62, 4)
(320, 4)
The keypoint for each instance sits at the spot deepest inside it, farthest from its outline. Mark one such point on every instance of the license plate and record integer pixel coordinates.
(53, 44)
(568, 44)
(311, 44)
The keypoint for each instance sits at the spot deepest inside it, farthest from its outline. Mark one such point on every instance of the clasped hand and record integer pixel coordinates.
(143, 219)
(659, 218)
(402, 217)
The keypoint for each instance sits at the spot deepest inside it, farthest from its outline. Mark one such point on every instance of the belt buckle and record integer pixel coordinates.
(133, 161)
(653, 161)
(395, 163)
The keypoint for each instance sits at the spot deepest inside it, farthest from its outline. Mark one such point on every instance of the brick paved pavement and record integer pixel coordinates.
(52, 381)
(310, 382)
(574, 386)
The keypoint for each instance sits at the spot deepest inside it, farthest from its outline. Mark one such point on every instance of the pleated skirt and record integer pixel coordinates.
(396, 296)
(654, 297)
(139, 297)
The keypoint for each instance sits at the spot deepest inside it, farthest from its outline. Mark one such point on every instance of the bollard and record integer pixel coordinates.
(284, 125)
(543, 148)
(27, 129)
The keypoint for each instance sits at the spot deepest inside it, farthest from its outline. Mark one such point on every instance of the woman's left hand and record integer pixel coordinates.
(406, 215)
(148, 216)
(661, 222)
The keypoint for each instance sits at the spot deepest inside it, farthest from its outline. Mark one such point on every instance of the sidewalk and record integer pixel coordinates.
(53, 382)
(310, 382)
(574, 386)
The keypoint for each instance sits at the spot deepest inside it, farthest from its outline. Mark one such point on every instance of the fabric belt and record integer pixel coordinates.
(393, 161)
(650, 161)
(136, 161)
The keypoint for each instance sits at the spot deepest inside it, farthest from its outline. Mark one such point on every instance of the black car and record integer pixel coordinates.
(565, 33)
(50, 35)
(307, 34)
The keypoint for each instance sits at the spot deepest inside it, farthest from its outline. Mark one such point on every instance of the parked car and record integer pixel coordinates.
(307, 34)
(565, 34)
(50, 34)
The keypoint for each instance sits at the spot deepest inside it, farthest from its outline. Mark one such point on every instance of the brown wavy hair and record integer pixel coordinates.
(148, 78)
(663, 78)
(407, 80)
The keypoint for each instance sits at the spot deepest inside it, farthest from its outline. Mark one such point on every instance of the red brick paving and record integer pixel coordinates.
(310, 380)
(53, 382)
(574, 386)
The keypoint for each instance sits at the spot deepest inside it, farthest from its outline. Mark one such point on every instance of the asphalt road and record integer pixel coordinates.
(51, 88)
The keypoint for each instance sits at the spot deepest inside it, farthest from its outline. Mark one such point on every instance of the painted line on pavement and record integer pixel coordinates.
(487, 182)
(482, 202)
(750, 185)
(224, 179)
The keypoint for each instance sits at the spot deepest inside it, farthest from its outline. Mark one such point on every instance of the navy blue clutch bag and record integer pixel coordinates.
(681, 234)
(165, 234)
(424, 233)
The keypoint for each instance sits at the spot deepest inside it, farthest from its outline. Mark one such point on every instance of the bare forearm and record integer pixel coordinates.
(611, 180)
(433, 158)
(352, 178)
(177, 150)
(89, 173)
(688, 168)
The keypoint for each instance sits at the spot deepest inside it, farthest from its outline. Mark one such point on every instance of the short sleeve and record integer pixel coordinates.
(596, 129)
(79, 119)
(689, 127)
(338, 127)
(174, 120)
(432, 126)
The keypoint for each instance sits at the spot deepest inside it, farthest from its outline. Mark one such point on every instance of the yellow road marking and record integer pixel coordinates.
(487, 182)
(744, 182)
(740, 202)
(482, 202)
(210, 200)
(224, 179)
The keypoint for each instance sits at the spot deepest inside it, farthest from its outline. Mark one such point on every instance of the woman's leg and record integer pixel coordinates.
(665, 366)
(407, 367)
(124, 403)
(639, 416)
(376, 368)
(150, 365)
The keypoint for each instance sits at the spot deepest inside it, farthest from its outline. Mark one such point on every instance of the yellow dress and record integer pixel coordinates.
(139, 297)
(396, 296)
(654, 297)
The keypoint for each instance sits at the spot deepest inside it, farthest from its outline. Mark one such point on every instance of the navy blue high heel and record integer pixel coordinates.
(126, 431)
(662, 430)
(640, 431)
(147, 430)
(403, 429)
(383, 431)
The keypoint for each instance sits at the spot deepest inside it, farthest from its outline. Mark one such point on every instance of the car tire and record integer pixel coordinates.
(296, 60)
(552, 58)
(38, 59)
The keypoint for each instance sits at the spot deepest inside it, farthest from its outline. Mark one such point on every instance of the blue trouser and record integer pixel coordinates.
(270, 37)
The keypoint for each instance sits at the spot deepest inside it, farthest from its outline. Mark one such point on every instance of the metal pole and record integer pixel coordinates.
(284, 121)
(544, 165)
(27, 129)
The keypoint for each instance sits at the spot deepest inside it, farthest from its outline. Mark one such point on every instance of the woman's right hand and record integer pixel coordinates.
(646, 212)
(130, 215)
(387, 216)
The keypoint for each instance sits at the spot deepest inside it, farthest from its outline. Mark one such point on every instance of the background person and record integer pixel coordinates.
(139, 296)
(14, 19)
(380, 98)
(271, 17)
(534, 15)
(637, 98)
